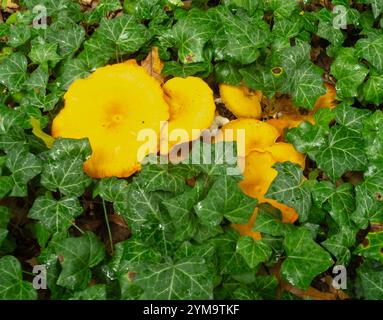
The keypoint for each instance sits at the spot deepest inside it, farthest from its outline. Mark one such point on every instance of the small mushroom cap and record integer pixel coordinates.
(288, 122)
(283, 152)
(257, 134)
(192, 109)
(241, 101)
(111, 107)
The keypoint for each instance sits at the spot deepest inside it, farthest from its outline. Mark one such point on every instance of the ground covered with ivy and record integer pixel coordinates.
(165, 233)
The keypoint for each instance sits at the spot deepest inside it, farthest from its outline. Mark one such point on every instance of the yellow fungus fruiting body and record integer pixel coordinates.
(328, 99)
(258, 176)
(110, 108)
(257, 134)
(241, 101)
(191, 108)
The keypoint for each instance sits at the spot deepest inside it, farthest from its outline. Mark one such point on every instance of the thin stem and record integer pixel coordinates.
(78, 228)
(108, 226)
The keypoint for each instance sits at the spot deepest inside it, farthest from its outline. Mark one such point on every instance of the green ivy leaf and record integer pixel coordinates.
(131, 254)
(228, 73)
(369, 204)
(12, 285)
(339, 245)
(371, 49)
(349, 73)
(290, 188)
(24, 167)
(225, 199)
(13, 71)
(42, 53)
(38, 78)
(18, 35)
(352, 118)
(281, 7)
(214, 159)
(229, 260)
(172, 68)
(307, 138)
(240, 37)
(338, 202)
(342, 153)
(369, 281)
(96, 292)
(304, 79)
(162, 177)
(305, 258)
(253, 251)
(180, 209)
(373, 88)
(270, 222)
(258, 78)
(373, 136)
(372, 246)
(122, 34)
(6, 185)
(63, 170)
(77, 256)
(191, 33)
(69, 39)
(143, 208)
(326, 28)
(113, 190)
(185, 279)
(55, 216)
(71, 70)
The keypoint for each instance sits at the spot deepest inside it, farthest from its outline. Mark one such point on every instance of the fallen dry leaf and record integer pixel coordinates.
(154, 65)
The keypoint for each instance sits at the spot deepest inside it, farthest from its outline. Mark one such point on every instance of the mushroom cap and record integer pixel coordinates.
(241, 101)
(288, 121)
(110, 108)
(192, 109)
(258, 134)
(259, 174)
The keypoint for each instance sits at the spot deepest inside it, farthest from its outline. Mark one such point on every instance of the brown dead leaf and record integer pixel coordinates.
(153, 65)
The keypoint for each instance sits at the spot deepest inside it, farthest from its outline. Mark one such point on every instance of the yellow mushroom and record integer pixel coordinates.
(256, 134)
(241, 101)
(111, 107)
(328, 99)
(191, 108)
(258, 176)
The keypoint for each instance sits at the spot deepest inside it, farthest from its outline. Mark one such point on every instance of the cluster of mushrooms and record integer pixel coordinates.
(116, 102)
